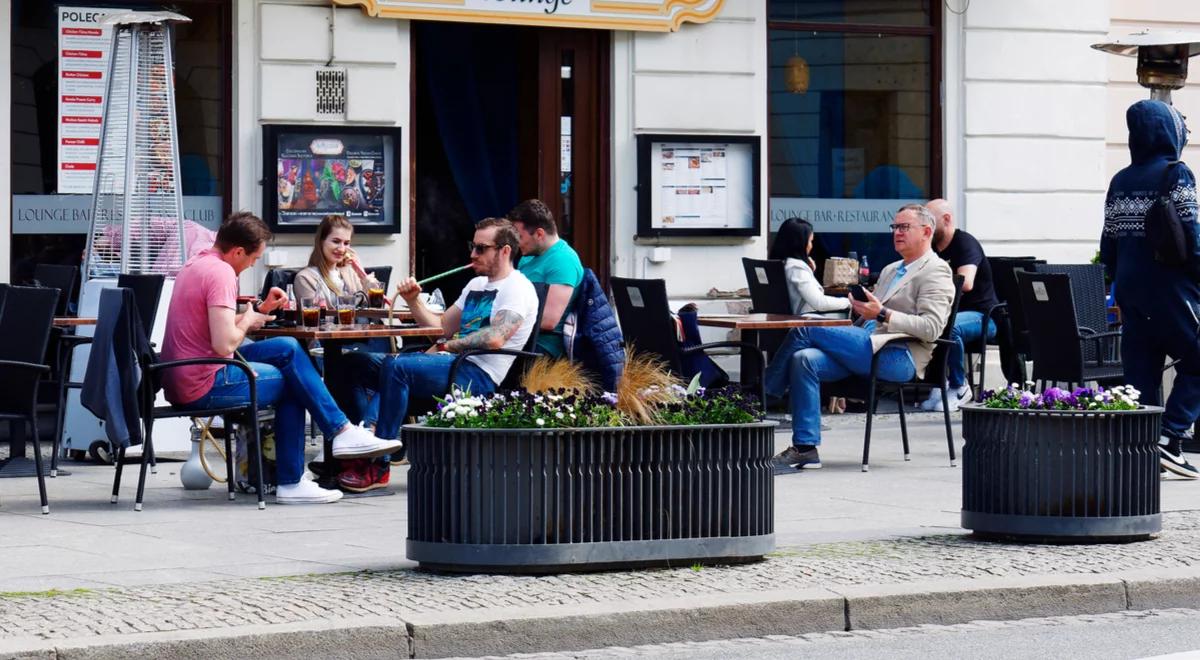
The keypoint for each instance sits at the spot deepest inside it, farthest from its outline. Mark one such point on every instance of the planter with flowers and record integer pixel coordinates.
(1062, 465)
(559, 477)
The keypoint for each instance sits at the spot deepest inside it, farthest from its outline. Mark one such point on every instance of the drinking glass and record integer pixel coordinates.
(311, 312)
(345, 310)
(375, 297)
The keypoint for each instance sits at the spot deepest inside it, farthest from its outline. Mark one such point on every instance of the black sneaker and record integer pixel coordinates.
(1170, 456)
(796, 458)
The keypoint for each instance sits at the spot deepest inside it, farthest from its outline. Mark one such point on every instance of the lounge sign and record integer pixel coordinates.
(647, 15)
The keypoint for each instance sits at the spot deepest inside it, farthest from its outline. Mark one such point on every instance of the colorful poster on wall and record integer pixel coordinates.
(83, 48)
(333, 173)
(693, 183)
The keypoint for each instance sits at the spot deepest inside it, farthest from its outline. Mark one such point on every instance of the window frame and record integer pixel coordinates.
(933, 31)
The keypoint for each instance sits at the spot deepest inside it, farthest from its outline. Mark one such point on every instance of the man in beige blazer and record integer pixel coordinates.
(912, 299)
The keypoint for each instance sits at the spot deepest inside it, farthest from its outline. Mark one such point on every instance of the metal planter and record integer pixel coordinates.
(1061, 475)
(537, 501)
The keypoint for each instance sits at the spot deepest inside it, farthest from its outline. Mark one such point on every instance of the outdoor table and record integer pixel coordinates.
(333, 338)
(73, 321)
(377, 314)
(752, 325)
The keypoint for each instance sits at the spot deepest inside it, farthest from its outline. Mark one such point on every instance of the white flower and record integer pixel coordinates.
(559, 415)
(473, 414)
(540, 422)
(450, 414)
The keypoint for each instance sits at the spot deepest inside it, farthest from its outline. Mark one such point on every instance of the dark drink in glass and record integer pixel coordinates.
(345, 316)
(312, 317)
(375, 297)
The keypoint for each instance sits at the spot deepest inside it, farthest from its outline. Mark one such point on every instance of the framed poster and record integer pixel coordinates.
(314, 171)
(698, 185)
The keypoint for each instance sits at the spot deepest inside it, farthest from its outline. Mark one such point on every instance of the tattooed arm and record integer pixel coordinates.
(503, 327)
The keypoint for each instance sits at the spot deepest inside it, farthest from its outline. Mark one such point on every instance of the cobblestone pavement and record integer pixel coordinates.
(227, 603)
(799, 643)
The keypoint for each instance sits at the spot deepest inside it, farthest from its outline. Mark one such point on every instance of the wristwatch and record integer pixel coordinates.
(254, 305)
(441, 346)
(884, 313)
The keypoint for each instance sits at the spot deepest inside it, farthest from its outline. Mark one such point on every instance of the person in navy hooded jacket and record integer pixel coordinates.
(1159, 303)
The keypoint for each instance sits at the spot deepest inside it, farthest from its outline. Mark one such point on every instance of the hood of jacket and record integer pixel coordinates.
(1156, 131)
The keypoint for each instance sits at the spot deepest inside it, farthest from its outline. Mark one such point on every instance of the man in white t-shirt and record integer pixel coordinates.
(498, 309)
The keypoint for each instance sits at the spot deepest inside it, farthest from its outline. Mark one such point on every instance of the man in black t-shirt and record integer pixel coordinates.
(966, 258)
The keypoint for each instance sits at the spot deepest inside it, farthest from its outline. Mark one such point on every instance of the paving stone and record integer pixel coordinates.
(400, 593)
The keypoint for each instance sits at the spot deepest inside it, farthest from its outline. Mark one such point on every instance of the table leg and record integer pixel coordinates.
(333, 366)
(751, 376)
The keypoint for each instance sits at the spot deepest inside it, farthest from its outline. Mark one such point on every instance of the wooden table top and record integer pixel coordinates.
(73, 321)
(349, 332)
(767, 321)
(378, 314)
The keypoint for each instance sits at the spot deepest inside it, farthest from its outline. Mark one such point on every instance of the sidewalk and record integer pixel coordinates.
(195, 575)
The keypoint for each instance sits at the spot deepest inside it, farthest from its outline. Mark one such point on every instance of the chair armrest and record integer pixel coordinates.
(75, 340)
(995, 308)
(25, 366)
(744, 348)
(484, 351)
(163, 366)
(1087, 334)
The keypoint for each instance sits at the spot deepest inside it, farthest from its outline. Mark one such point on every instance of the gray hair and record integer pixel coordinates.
(923, 214)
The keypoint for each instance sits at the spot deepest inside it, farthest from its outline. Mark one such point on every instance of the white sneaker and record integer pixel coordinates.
(957, 398)
(357, 442)
(305, 492)
(934, 402)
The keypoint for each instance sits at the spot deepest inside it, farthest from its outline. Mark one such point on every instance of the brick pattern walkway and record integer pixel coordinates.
(399, 593)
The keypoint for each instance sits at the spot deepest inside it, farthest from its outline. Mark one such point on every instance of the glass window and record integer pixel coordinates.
(889, 12)
(52, 227)
(851, 125)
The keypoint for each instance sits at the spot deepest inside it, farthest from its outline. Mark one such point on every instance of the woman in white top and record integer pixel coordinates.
(792, 245)
(333, 269)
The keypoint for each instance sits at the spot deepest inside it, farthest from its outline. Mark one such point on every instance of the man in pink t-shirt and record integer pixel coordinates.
(202, 322)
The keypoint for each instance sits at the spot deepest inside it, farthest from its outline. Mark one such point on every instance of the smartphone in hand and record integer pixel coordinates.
(858, 293)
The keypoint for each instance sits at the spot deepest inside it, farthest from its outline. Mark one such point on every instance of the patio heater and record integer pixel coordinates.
(1162, 57)
(137, 204)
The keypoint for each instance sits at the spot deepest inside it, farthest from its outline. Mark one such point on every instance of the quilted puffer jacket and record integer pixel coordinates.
(591, 333)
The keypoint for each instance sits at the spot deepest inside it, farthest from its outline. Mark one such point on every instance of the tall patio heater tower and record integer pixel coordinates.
(137, 203)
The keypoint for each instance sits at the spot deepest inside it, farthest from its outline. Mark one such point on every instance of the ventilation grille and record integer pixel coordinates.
(331, 92)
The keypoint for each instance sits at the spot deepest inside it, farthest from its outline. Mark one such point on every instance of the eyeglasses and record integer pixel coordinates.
(902, 227)
(480, 248)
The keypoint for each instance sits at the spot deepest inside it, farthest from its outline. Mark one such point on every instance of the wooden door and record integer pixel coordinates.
(572, 139)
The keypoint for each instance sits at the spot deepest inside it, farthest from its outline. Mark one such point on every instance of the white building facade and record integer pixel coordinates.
(998, 105)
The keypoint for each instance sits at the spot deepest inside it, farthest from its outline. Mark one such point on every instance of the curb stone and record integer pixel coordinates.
(549, 628)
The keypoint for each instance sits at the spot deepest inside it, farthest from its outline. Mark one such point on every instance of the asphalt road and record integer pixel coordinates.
(1120, 635)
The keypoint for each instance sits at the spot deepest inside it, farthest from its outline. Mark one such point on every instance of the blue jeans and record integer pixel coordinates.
(356, 382)
(1145, 343)
(968, 327)
(410, 376)
(287, 380)
(811, 356)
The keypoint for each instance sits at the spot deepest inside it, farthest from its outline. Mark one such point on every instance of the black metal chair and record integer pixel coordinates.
(381, 273)
(935, 376)
(1011, 335)
(645, 318)
(524, 357)
(280, 277)
(59, 277)
(147, 291)
(26, 317)
(767, 281)
(148, 412)
(1091, 305)
(1059, 344)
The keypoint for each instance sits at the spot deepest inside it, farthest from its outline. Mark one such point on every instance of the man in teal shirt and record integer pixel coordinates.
(549, 259)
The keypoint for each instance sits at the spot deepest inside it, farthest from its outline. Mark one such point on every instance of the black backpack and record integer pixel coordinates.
(1165, 233)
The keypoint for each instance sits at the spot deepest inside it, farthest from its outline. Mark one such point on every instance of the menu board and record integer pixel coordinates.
(83, 50)
(700, 186)
(321, 171)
